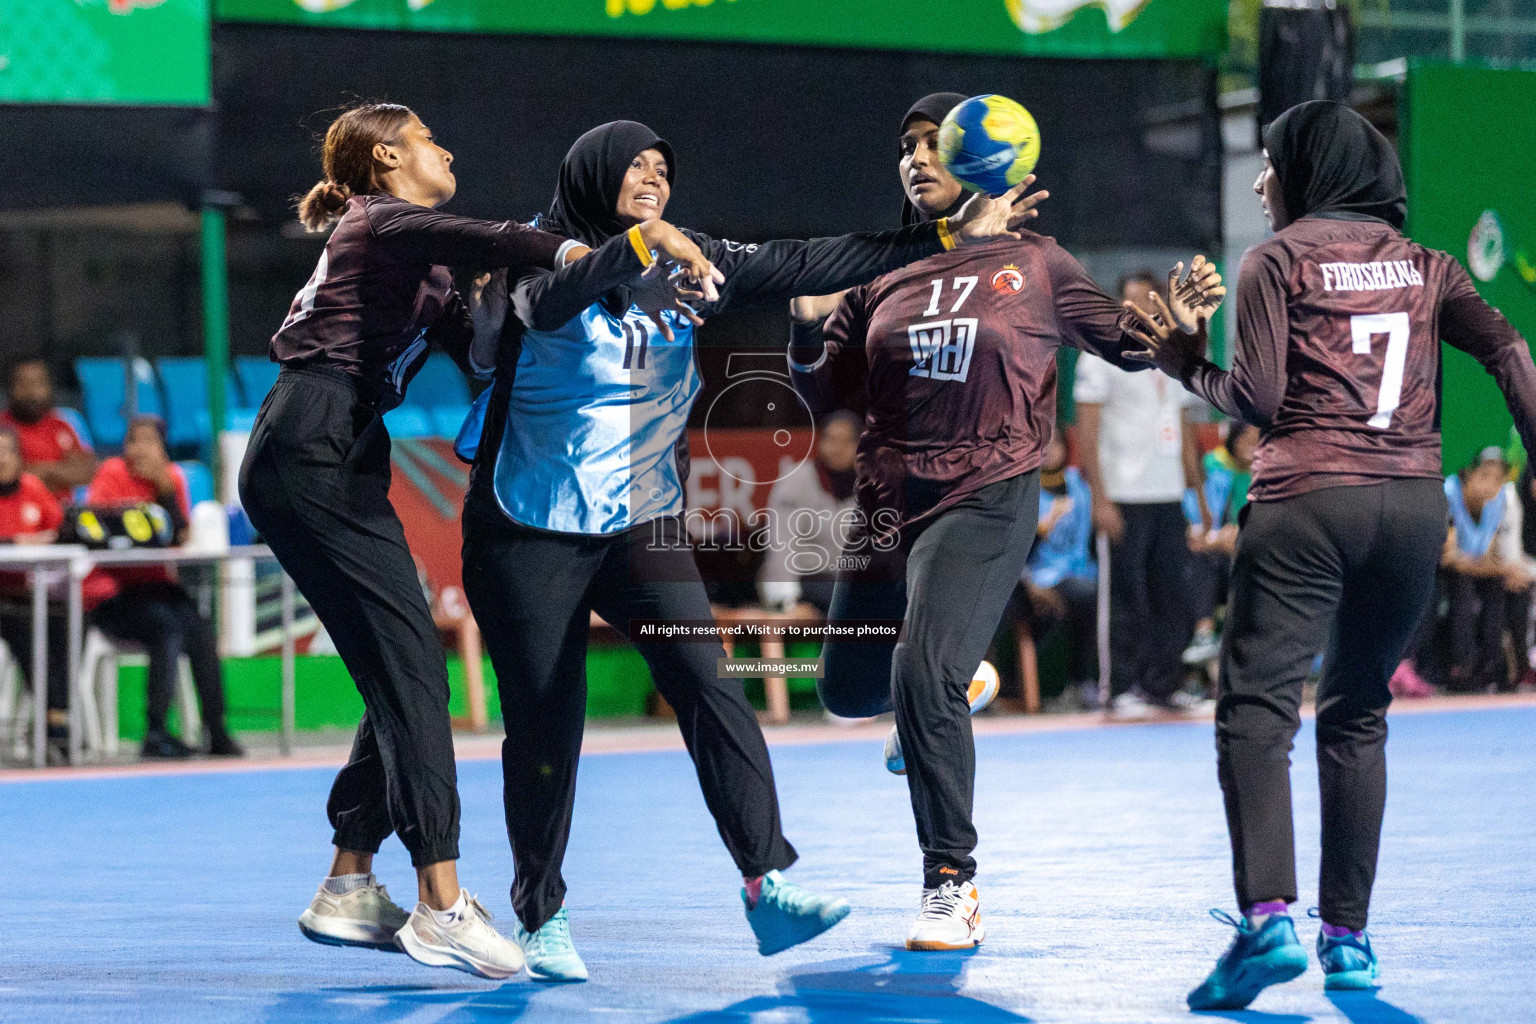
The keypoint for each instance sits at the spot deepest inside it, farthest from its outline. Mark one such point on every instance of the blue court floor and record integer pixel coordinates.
(173, 898)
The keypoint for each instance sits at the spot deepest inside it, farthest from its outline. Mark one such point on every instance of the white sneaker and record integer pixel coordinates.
(363, 917)
(470, 944)
(1183, 702)
(950, 918)
(982, 690)
(1130, 706)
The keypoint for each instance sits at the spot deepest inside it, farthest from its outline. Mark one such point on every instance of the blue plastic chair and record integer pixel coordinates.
(103, 390)
(447, 419)
(439, 382)
(199, 481)
(77, 421)
(408, 421)
(256, 375)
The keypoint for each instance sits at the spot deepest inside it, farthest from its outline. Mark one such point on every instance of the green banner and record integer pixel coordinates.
(104, 51)
(1469, 143)
(1057, 28)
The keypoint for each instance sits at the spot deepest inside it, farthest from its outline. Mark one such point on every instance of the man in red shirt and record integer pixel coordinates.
(51, 447)
(146, 605)
(30, 515)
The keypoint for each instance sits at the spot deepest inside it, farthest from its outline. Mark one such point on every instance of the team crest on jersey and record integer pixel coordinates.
(1008, 281)
(31, 515)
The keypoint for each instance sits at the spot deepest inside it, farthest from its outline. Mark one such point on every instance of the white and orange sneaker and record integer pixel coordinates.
(983, 688)
(950, 919)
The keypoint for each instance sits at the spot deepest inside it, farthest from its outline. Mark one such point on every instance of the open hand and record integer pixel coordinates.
(1167, 347)
(987, 218)
(683, 251)
(1198, 295)
(666, 289)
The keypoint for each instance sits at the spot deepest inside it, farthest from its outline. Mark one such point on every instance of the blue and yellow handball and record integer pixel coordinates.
(989, 143)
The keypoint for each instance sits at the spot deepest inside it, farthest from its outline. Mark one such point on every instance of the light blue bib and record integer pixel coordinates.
(596, 410)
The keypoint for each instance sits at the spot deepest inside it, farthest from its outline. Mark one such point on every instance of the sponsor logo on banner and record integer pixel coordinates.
(324, 6)
(122, 6)
(1038, 16)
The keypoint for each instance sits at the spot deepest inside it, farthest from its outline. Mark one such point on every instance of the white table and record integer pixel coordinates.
(42, 563)
(84, 560)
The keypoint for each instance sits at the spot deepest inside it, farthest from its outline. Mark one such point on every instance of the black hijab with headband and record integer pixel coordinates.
(933, 107)
(590, 178)
(1331, 163)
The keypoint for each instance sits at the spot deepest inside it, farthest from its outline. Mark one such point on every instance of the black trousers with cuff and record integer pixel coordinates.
(1349, 570)
(949, 579)
(315, 483)
(532, 592)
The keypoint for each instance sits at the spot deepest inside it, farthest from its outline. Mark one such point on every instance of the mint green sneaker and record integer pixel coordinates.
(787, 915)
(1349, 962)
(548, 952)
(1256, 959)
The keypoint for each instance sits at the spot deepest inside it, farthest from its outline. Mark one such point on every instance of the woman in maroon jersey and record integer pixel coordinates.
(957, 357)
(315, 483)
(1339, 321)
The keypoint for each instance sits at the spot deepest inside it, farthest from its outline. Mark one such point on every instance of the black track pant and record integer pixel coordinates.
(950, 579)
(1149, 609)
(316, 484)
(164, 618)
(1352, 568)
(16, 630)
(533, 591)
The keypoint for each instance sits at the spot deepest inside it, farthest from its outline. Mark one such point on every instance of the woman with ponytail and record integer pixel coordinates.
(315, 482)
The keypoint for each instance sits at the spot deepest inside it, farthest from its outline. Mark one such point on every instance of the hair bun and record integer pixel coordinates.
(323, 204)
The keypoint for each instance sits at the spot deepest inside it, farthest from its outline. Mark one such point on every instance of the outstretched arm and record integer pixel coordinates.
(545, 301)
(422, 233)
(774, 271)
(1253, 389)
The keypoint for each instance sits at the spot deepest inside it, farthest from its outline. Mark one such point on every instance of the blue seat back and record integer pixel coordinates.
(447, 420)
(199, 481)
(408, 421)
(185, 379)
(256, 375)
(103, 389)
(439, 382)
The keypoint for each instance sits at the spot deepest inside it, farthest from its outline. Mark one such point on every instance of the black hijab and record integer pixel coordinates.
(933, 107)
(1332, 163)
(590, 178)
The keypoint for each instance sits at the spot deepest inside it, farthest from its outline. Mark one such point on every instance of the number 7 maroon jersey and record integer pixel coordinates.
(1338, 355)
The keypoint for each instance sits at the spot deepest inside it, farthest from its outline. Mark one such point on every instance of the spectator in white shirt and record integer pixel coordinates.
(1138, 453)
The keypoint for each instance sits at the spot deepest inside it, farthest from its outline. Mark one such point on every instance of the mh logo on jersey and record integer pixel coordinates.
(941, 350)
(1008, 281)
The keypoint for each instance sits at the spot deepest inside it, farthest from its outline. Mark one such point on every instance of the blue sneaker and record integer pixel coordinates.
(548, 952)
(1258, 958)
(1348, 961)
(787, 915)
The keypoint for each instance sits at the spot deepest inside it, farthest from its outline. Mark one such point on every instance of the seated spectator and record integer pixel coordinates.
(29, 514)
(805, 539)
(51, 448)
(1228, 472)
(1484, 575)
(1060, 587)
(146, 604)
